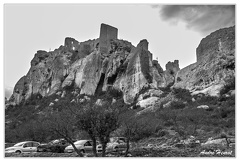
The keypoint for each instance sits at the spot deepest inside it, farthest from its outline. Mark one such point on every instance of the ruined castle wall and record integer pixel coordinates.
(107, 33)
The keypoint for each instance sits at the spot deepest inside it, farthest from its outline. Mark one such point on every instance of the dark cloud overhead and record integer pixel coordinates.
(202, 18)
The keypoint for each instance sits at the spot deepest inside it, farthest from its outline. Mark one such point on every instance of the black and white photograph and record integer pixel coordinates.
(130, 80)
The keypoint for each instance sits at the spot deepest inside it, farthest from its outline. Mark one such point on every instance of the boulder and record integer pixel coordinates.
(167, 105)
(99, 102)
(59, 93)
(150, 93)
(214, 142)
(203, 107)
(51, 104)
(232, 92)
(81, 100)
(147, 103)
(114, 100)
(63, 94)
(87, 98)
(73, 100)
(213, 90)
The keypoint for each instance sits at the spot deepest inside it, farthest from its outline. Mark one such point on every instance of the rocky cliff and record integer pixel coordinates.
(94, 66)
(215, 64)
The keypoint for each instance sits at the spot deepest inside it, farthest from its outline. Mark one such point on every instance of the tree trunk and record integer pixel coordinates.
(94, 149)
(128, 145)
(103, 149)
(70, 141)
(77, 151)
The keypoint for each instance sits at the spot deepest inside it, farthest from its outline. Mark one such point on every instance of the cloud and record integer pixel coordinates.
(201, 18)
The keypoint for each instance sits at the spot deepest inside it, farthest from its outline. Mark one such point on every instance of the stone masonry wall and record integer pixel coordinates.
(107, 33)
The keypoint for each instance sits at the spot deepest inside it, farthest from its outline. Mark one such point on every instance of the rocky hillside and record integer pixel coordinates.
(215, 64)
(94, 66)
(176, 112)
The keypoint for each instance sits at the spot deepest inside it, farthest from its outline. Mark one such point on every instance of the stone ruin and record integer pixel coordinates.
(107, 33)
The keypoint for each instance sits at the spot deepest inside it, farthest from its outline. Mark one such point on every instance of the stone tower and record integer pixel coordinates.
(107, 33)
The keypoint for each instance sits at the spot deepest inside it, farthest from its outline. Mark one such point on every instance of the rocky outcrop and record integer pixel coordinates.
(96, 65)
(137, 74)
(49, 69)
(215, 64)
(171, 70)
(92, 66)
(220, 41)
(19, 90)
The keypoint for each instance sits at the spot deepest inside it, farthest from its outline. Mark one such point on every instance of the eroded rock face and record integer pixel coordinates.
(215, 64)
(19, 90)
(171, 71)
(137, 73)
(88, 77)
(95, 65)
(49, 69)
(220, 41)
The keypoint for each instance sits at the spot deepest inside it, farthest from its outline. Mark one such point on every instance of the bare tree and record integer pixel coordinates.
(86, 120)
(107, 123)
(99, 122)
(62, 123)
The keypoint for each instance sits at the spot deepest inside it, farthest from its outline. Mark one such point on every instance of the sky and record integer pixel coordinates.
(173, 32)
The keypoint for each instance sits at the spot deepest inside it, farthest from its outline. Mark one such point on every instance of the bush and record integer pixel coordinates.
(227, 112)
(207, 100)
(115, 93)
(230, 123)
(162, 133)
(177, 105)
(229, 102)
(109, 94)
(229, 86)
(144, 132)
(182, 94)
(217, 130)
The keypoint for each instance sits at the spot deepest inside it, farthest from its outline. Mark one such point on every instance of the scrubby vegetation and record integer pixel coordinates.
(166, 125)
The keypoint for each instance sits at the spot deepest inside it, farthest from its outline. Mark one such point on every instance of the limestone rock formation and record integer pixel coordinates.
(218, 42)
(92, 66)
(97, 65)
(215, 64)
(171, 70)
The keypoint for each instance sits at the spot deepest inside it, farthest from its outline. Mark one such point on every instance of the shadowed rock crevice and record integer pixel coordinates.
(100, 84)
(112, 79)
